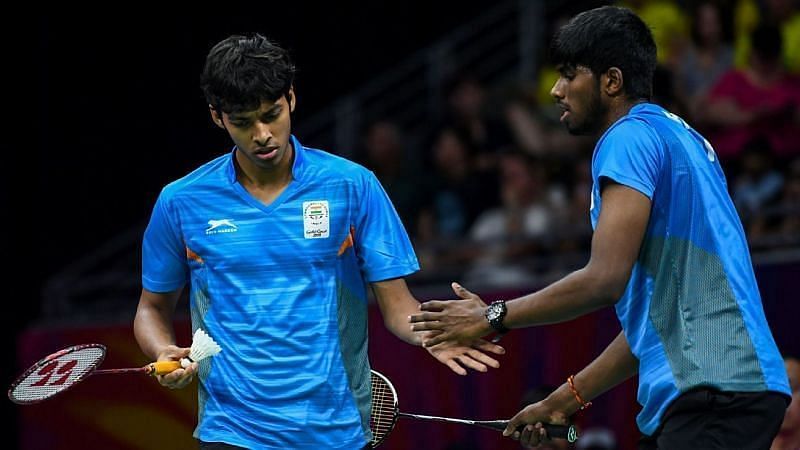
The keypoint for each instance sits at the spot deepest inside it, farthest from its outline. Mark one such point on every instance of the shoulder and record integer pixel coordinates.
(633, 129)
(322, 165)
(212, 172)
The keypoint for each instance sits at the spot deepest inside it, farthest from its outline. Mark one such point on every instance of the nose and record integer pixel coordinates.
(261, 134)
(557, 91)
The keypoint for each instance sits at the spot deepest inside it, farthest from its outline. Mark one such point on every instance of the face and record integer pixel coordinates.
(577, 93)
(261, 136)
(708, 23)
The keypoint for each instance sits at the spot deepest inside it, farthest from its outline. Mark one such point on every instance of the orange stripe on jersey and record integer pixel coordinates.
(348, 242)
(194, 256)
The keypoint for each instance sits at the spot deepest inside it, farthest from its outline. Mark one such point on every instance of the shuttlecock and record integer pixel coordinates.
(202, 347)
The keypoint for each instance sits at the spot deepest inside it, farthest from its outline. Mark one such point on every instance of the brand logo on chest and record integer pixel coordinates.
(316, 219)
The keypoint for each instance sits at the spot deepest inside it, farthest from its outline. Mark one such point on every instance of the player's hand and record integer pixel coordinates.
(178, 378)
(531, 418)
(452, 320)
(460, 357)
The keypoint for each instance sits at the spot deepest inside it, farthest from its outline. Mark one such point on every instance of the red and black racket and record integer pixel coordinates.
(65, 368)
(385, 413)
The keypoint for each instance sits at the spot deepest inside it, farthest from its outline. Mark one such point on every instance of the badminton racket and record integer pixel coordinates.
(65, 368)
(385, 412)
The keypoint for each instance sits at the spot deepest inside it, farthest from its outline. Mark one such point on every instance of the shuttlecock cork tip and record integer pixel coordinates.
(202, 347)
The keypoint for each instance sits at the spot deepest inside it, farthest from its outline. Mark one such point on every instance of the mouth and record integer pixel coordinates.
(266, 152)
(564, 111)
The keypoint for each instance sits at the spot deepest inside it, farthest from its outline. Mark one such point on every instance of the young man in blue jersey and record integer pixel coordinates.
(277, 242)
(668, 251)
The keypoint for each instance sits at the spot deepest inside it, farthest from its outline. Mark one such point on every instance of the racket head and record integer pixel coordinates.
(383, 414)
(55, 373)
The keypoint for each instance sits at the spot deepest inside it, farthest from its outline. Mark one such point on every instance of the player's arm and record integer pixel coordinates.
(615, 248)
(397, 303)
(615, 365)
(155, 334)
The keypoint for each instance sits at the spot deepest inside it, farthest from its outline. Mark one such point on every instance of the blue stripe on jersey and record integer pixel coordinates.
(691, 312)
(274, 285)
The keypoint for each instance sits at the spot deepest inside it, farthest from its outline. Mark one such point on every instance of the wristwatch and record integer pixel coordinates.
(495, 313)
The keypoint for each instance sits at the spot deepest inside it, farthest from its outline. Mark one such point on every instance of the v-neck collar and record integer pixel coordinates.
(297, 176)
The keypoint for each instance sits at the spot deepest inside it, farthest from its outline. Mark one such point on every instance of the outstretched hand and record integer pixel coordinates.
(452, 321)
(178, 378)
(460, 357)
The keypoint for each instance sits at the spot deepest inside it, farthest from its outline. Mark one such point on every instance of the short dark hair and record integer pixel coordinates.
(607, 37)
(242, 71)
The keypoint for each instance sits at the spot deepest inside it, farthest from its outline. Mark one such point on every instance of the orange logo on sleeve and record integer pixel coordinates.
(193, 256)
(348, 242)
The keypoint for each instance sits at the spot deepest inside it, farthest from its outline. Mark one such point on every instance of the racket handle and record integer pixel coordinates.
(567, 432)
(162, 367)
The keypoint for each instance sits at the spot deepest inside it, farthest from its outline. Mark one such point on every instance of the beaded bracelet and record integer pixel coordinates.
(571, 382)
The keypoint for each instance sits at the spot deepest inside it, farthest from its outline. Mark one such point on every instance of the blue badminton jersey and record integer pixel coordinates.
(691, 312)
(281, 287)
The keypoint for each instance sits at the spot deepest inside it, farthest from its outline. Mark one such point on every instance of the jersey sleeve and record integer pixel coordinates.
(164, 265)
(630, 154)
(381, 243)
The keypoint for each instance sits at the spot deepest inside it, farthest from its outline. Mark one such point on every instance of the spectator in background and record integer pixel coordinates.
(758, 181)
(759, 100)
(784, 14)
(708, 56)
(667, 22)
(788, 205)
(458, 194)
(386, 155)
(509, 235)
(789, 436)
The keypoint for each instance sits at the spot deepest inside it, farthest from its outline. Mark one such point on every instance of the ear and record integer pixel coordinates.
(612, 82)
(216, 117)
(292, 99)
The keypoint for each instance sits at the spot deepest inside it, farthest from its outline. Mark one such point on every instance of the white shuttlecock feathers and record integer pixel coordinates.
(202, 347)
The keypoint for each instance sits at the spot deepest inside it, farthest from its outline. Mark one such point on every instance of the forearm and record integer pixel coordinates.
(397, 304)
(153, 329)
(576, 294)
(615, 365)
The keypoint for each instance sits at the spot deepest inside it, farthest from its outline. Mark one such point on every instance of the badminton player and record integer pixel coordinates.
(668, 251)
(277, 242)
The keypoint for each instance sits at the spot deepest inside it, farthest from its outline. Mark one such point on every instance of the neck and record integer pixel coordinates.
(251, 175)
(616, 110)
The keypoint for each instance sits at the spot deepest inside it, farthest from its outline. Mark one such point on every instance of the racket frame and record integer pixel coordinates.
(50, 358)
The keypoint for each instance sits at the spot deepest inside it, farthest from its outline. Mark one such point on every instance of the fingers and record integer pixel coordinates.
(461, 291)
(433, 306)
(178, 378)
(438, 339)
(511, 428)
(531, 435)
(486, 346)
(455, 367)
(427, 326)
(483, 358)
(471, 363)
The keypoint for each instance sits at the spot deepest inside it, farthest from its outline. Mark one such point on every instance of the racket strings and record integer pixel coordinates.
(56, 373)
(383, 409)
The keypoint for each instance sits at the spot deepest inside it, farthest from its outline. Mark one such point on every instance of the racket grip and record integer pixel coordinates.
(162, 367)
(567, 432)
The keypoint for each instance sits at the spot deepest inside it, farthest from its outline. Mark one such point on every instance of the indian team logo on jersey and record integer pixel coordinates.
(316, 219)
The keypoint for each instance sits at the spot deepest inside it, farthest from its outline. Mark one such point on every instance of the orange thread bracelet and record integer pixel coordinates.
(571, 382)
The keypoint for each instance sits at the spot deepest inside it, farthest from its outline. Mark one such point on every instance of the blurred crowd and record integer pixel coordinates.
(495, 191)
